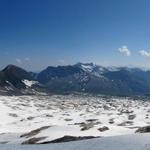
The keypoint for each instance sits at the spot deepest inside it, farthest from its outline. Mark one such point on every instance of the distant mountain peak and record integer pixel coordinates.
(86, 64)
(15, 80)
(12, 67)
(12, 71)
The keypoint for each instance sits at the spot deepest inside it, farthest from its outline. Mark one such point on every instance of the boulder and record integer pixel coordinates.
(102, 129)
(143, 129)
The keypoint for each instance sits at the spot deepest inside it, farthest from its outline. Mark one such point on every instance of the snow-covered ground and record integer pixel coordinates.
(126, 142)
(76, 115)
(29, 83)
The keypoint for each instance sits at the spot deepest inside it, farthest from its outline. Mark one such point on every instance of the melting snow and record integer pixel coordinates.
(29, 83)
(74, 115)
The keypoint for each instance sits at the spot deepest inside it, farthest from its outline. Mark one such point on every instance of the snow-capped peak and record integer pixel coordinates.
(87, 68)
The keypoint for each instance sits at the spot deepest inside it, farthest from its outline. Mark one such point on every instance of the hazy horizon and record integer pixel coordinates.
(109, 66)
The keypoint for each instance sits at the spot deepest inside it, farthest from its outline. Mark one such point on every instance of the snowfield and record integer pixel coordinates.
(29, 83)
(126, 142)
(47, 118)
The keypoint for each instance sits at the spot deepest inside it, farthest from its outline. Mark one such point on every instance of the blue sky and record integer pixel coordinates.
(37, 33)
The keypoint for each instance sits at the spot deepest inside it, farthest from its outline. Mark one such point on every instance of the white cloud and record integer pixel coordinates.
(144, 53)
(19, 61)
(124, 50)
(27, 59)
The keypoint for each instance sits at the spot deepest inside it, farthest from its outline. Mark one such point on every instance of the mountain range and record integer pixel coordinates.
(81, 77)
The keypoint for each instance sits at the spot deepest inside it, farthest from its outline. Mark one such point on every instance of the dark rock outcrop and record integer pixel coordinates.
(34, 140)
(102, 129)
(34, 132)
(143, 129)
(68, 138)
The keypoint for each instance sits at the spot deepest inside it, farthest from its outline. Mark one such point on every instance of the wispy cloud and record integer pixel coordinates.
(19, 61)
(61, 61)
(27, 59)
(144, 53)
(124, 50)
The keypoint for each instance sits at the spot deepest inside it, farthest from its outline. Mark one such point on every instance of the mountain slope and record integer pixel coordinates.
(81, 77)
(16, 75)
(96, 79)
(15, 80)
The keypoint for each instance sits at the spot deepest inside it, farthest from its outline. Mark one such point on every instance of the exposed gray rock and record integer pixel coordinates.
(13, 115)
(111, 121)
(34, 140)
(102, 129)
(91, 120)
(68, 119)
(86, 126)
(34, 132)
(127, 111)
(143, 129)
(126, 123)
(30, 118)
(131, 117)
(69, 138)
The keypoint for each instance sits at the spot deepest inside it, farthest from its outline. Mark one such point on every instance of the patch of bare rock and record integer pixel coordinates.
(131, 117)
(34, 132)
(68, 138)
(102, 129)
(143, 129)
(126, 123)
(86, 126)
(34, 140)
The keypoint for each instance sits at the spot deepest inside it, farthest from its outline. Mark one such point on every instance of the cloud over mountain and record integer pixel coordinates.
(144, 53)
(124, 50)
(19, 61)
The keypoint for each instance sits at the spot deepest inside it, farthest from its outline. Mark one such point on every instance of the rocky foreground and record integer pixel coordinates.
(64, 118)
